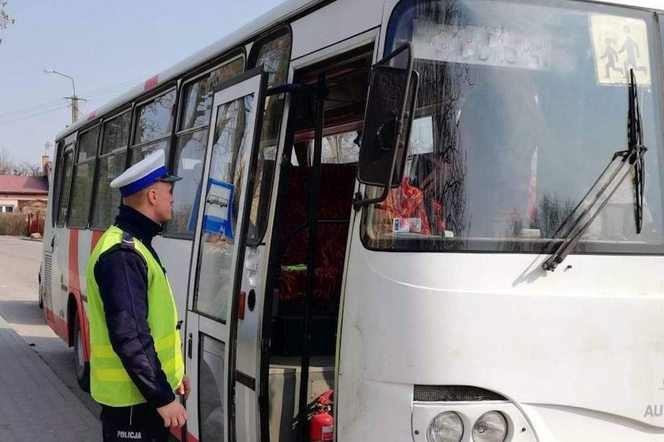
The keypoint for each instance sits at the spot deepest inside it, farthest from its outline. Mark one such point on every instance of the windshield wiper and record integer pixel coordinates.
(621, 166)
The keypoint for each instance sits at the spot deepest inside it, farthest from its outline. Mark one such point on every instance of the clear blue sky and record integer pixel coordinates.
(102, 45)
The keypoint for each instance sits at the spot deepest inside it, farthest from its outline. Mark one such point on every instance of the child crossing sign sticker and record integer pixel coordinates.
(620, 44)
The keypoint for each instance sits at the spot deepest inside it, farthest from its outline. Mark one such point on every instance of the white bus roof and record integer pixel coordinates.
(270, 19)
(280, 14)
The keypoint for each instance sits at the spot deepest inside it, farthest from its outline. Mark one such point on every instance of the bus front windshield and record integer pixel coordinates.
(521, 106)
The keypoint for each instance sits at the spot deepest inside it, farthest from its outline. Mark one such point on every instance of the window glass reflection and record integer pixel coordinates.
(224, 191)
(520, 108)
(155, 118)
(107, 202)
(116, 133)
(198, 95)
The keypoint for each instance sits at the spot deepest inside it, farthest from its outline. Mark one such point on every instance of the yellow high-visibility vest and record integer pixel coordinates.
(109, 382)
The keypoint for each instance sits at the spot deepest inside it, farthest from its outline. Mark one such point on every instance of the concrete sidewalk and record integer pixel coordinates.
(35, 405)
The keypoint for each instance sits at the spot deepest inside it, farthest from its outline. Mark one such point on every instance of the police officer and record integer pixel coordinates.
(136, 361)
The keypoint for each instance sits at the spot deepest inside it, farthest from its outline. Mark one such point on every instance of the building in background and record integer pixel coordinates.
(24, 194)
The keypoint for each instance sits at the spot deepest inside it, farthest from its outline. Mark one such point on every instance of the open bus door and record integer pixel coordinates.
(223, 392)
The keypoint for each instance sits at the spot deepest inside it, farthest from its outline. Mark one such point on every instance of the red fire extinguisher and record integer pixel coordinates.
(322, 423)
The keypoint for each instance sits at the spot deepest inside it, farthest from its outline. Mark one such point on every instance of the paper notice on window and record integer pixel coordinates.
(620, 44)
(481, 45)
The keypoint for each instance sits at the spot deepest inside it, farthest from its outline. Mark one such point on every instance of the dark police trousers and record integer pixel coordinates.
(138, 423)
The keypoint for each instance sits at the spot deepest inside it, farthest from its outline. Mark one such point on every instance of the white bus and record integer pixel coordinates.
(411, 276)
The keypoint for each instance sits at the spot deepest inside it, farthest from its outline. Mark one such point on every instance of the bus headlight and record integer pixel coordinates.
(490, 427)
(445, 427)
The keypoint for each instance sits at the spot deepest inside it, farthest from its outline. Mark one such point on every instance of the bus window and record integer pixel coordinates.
(112, 162)
(84, 171)
(191, 141)
(65, 186)
(274, 54)
(506, 146)
(154, 124)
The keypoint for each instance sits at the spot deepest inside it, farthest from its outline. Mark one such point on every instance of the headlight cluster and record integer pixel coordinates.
(448, 427)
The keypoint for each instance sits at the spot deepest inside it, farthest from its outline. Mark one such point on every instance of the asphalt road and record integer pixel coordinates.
(19, 269)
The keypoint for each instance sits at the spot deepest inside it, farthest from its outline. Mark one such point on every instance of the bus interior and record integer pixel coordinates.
(344, 82)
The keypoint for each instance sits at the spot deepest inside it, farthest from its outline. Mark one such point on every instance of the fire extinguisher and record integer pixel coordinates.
(322, 423)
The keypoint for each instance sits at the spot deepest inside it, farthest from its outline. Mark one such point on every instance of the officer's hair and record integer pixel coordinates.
(135, 199)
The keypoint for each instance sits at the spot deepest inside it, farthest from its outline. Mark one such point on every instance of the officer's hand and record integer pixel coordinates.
(174, 414)
(184, 388)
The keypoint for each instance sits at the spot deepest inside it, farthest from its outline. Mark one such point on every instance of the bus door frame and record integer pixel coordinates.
(369, 37)
(252, 82)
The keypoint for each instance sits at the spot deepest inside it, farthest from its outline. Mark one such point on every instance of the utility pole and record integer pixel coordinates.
(74, 107)
(74, 99)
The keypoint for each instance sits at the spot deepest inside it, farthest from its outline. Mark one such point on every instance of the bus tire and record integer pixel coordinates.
(81, 366)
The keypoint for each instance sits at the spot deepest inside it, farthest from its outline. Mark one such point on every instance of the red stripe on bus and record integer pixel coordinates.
(191, 438)
(151, 82)
(96, 236)
(58, 325)
(74, 283)
(177, 433)
(75, 289)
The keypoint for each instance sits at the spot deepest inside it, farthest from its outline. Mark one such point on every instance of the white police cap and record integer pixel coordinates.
(143, 174)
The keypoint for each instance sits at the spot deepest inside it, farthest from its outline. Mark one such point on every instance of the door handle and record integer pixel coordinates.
(190, 344)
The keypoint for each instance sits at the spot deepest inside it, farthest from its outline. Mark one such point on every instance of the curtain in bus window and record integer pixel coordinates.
(274, 55)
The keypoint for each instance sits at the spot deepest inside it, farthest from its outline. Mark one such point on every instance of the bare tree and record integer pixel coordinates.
(10, 167)
(6, 162)
(5, 19)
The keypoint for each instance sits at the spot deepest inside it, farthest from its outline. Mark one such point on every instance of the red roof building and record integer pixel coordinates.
(17, 192)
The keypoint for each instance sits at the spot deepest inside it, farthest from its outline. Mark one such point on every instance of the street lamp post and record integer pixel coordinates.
(74, 99)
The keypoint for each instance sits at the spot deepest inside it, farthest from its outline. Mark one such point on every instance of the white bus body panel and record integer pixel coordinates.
(562, 343)
(334, 23)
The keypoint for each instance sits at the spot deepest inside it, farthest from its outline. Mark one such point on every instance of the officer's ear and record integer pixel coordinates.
(152, 195)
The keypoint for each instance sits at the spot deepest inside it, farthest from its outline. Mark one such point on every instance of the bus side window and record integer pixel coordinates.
(112, 161)
(192, 137)
(57, 182)
(154, 122)
(273, 53)
(82, 179)
(65, 186)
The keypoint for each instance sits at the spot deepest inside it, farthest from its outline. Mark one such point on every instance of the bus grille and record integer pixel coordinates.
(453, 393)
(48, 298)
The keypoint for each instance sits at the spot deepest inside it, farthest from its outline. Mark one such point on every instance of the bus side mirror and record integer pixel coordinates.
(387, 123)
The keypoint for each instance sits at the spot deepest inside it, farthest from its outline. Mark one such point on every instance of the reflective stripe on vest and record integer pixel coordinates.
(109, 382)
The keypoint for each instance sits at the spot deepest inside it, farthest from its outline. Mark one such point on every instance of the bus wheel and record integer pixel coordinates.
(82, 367)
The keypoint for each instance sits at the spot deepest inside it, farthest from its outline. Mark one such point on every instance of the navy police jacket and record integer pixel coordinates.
(122, 278)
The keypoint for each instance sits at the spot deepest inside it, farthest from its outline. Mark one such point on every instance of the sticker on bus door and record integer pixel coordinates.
(219, 203)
